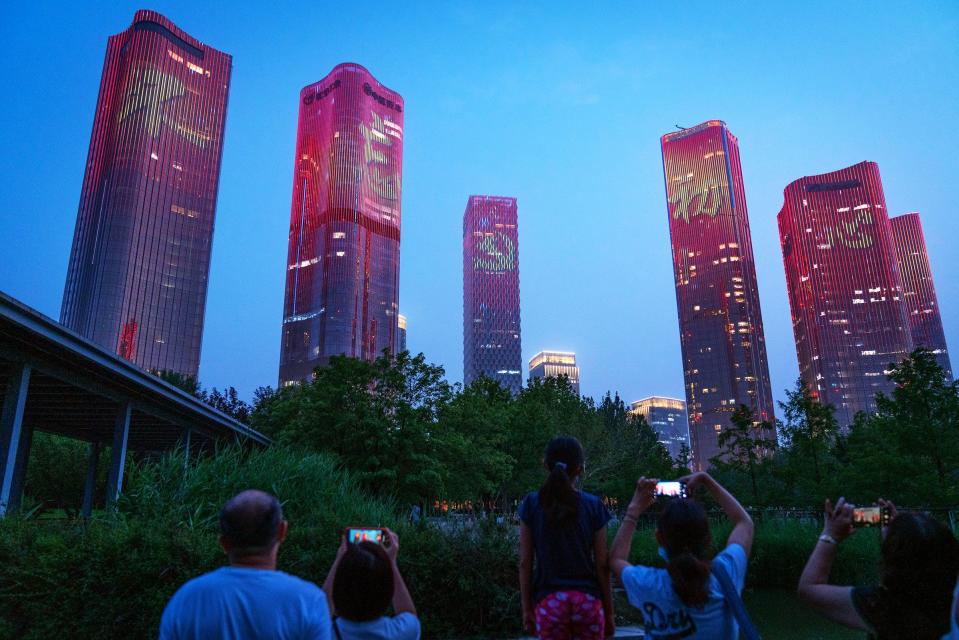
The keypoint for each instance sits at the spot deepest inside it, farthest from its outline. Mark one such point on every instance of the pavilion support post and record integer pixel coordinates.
(12, 442)
(20, 468)
(93, 461)
(118, 453)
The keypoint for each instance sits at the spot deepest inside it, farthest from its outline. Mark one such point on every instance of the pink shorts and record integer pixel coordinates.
(570, 615)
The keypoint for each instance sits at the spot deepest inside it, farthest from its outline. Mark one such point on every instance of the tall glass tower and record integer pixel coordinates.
(720, 323)
(918, 291)
(140, 262)
(845, 291)
(343, 264)
(491, 324)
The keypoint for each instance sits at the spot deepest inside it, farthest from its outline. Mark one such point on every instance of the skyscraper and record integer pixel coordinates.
(491, 332)
(720, 323)
(401, 334)
(140, 262)
(845, 292)
(918, 291)
(667, 417)
(342, 270)
(553, 364)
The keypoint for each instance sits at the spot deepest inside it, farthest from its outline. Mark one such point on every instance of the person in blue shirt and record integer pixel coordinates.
(684, 600)
(362, 582)
(249, 599)
(563, 571)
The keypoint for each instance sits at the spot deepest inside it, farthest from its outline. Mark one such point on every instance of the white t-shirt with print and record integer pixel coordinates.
(651, 592)
(404, 626)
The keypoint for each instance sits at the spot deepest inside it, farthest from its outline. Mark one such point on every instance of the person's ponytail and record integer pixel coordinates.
(690, 576)
(684, 534)
(560, 500)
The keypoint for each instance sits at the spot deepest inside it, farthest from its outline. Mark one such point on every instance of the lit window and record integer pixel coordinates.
(339, 235)
(340, 254)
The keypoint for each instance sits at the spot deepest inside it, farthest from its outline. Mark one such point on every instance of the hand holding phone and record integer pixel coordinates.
(671, 489)
(877, 516)
(356, 535)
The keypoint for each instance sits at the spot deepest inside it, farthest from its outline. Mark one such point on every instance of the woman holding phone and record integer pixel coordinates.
(362, 582)
(563, 571)
(918, 567)
(686, 599)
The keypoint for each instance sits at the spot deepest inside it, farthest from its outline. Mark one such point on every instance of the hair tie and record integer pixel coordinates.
(559, 465)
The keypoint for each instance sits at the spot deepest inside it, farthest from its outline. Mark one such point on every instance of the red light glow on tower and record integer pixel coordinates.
(342, 273)
(140, 262)
(720, 323)
(845, 292)
(491, 317)
(918, 291)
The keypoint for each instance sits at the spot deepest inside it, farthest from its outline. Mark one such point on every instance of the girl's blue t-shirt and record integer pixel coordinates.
(664, 614)
(564, 555)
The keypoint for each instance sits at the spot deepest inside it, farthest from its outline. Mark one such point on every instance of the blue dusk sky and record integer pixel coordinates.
(558, 105)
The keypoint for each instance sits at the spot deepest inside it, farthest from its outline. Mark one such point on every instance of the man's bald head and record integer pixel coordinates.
(250, 522)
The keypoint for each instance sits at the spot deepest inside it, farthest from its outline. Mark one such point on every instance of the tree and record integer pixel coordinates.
(745, 444)
(181, 381)
(809, 429)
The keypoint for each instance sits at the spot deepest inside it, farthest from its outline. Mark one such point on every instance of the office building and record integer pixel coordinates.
(553, 364)
(845, 292)
(140, 262)
(342, 269)
(667, 417)
(491, 317)
(720, 323)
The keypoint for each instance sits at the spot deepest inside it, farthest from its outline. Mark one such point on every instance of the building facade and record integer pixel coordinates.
(720, 323)
(668, 418)
(845, 291)
(918, 291)
(342, 270)
(140, 261)
(553, 364)
(491, 315)
(401, 333)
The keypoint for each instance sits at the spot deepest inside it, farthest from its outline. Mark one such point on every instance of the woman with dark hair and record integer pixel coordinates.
(918, 569)
(686, 599)
(361, 584)
(563, 572)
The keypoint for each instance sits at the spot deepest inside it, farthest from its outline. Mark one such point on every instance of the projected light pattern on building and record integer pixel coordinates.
(140, 261)
(720, 323)
(918, 291)
(342, 274)
(553, 364)
(491, 316)
(845, 291)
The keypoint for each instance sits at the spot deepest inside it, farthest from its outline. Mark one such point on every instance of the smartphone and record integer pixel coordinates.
(671, 489)
(870, 517)
(355, 535)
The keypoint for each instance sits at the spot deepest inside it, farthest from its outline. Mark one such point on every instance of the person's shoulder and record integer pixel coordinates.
(639, 576)
(590, 498)
(528, 505)
(209, 580)
(404, 626)
(734, 553)
(295, 583)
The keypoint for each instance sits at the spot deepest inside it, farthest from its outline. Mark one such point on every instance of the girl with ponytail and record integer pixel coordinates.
(685, 600)
(563, 568)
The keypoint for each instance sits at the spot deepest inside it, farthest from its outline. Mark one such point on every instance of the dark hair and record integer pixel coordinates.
(920, 560)
(363, 584)
(684, 531)
(560, 500)
(250, 521)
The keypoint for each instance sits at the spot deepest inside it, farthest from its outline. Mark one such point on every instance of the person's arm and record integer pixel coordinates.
(526, 576)
(402, 601)
(328, 583)
(814, 589)
(743, 528)
(643, 497)
(602, 574)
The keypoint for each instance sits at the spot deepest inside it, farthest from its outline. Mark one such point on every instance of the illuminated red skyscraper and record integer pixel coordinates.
(491, 327)
(845, 292)
(138, 271)
(918, 292)
(720, 323)
(342, 271)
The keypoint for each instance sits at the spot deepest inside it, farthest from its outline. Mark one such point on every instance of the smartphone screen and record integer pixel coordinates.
(868, 516)
(355, 535)
(671, 489)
